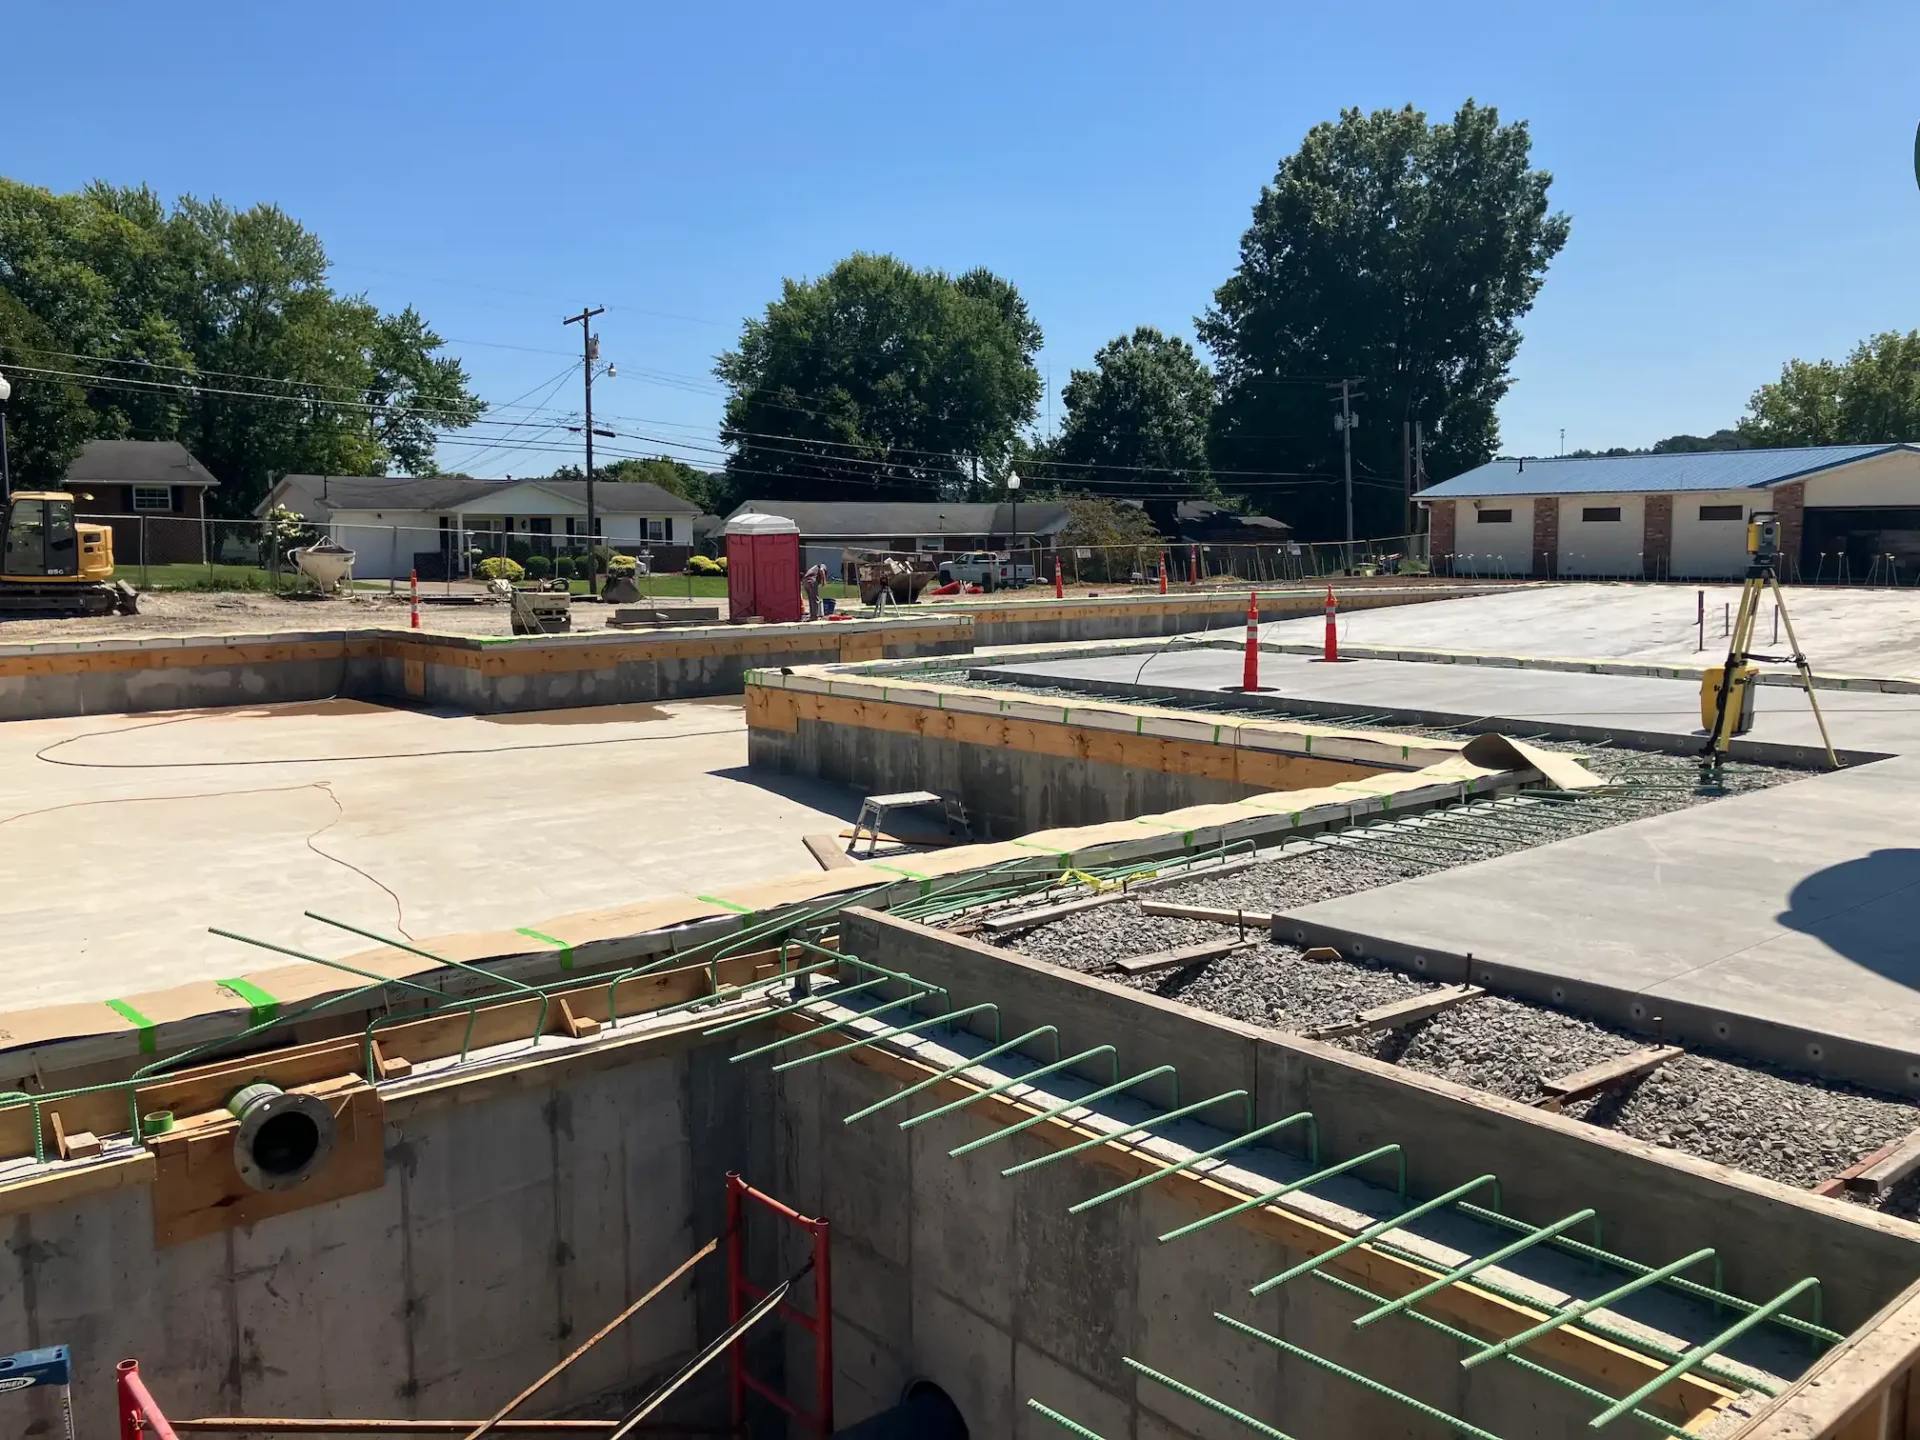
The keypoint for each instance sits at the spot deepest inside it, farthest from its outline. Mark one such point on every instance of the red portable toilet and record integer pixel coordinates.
(763, 568)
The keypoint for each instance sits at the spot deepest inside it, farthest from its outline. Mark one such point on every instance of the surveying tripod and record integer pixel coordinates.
(1726, 695)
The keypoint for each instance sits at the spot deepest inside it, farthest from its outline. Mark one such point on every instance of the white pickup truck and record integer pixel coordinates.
(987, 570)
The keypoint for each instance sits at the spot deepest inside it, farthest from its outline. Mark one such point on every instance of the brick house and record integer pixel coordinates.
(1847, 512)
(151, 492)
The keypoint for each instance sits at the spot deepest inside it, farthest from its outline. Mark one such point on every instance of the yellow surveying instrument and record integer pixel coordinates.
(1726, 691)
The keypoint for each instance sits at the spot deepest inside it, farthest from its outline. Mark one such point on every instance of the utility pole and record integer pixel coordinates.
(589, 352)
(1406, 470)
(1419, 458)
(1344, 423)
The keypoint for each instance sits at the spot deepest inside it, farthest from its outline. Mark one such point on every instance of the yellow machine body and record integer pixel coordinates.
(53, 563)
(1739, 712)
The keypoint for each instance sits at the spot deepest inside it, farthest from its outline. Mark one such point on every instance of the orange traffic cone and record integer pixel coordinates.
(1250, 675)
(1059, 585)
(1332, 651)
(413, 580)
(1163, 572)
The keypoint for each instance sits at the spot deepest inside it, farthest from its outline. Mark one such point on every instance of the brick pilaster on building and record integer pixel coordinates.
(1546, 536)
(1440, 537)
(1656, 546)
(1789, 502)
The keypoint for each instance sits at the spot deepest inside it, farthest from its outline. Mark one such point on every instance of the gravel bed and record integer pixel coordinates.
(1789, 1128)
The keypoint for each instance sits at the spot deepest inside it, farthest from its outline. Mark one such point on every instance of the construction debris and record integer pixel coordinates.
(1583, 1084)
(1245, 919)
(1179, 959)
(1400, 1013)
(827, 853)
(1020, 921)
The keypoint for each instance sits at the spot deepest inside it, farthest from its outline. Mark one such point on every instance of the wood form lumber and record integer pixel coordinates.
(1249, 919)
(1177, 959)
(1401, 1013)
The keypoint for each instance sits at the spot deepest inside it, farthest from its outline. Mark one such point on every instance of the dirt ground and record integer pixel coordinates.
(185, 612)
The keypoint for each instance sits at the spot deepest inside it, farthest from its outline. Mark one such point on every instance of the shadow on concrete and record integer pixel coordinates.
(1862, 910)
(815, 794)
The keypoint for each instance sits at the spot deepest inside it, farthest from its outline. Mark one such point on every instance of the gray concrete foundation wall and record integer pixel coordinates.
(1655, 1204)
(515, 1220)
(1008, 792)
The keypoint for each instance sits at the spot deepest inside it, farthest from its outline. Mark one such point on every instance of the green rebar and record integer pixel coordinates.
(1702, 1351)
(891, 1031)
(1072, 1427)
(1141, 1129)
(1202, 1399)
(1301, 1184)
(1585, 1391)
(513, 986)
(1055, 1112)
(1005, 1085)
(1366, 1382)
(1474, 1267)
(954, 1070)
(1711, 1293)
(1299, 1117)
(1575, 1311)
(1378, 1228)
(436, 996)
(1619, 1334)
(731, 992)
(852, 1019)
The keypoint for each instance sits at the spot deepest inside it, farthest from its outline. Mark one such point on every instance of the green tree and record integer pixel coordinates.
(1136, 424)
(676, 477)
(879, 381)
(1121, 538)
(1871, 397)
(1391, 250)
(47, 420)
(1722, 439)
(218, 328)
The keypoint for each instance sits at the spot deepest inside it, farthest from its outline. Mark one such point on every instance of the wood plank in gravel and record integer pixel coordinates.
(1896, 1162)
(1186, 955)
(1014, 923)
(827, 853)
(1400, 1013)
(1251, 919)
(1606, 1075)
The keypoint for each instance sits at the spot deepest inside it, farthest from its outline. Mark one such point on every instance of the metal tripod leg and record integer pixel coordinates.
(1806, 671)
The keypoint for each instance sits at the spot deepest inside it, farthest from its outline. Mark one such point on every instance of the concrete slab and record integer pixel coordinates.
(1862, 721)
(126, 836)
(1776, 923)
(1844, 631)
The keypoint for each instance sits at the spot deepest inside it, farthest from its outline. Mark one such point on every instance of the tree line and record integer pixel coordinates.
(123, 317)
(1394, 252)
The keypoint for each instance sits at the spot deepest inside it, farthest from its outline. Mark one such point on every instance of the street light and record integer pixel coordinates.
(1013, 489)
(6, 474)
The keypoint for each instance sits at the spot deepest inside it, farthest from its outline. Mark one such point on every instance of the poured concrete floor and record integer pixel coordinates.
(124, 837)
(1844, 632)
(1791, 906)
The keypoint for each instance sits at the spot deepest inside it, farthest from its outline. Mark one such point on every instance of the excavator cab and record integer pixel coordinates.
(55, 564)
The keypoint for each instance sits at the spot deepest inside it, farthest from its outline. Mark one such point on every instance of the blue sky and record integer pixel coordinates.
(1740, 176)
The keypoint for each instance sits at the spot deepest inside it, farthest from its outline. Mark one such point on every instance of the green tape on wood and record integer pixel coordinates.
(265, 1008)
(140, 1022)
(726, 904)
(566, 950)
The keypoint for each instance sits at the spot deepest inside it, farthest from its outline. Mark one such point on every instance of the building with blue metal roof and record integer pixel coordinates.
(1848, 512)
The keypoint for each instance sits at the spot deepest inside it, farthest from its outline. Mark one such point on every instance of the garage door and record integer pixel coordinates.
(1860, 545)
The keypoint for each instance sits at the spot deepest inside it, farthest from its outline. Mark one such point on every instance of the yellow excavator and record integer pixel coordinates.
(54, 564)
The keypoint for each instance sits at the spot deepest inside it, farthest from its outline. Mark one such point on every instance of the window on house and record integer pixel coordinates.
(1595, 514)
(657, 530)
(153, 497)
(1723, 512)
(1494, 517)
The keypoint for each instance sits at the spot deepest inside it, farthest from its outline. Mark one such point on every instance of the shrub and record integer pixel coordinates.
(539, 567)
(722, 563)
(621, 565)
(500, 567)
(563, 567)
(701, 565)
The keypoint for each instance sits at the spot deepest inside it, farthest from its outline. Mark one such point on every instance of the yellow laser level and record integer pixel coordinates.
(1726, 691)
